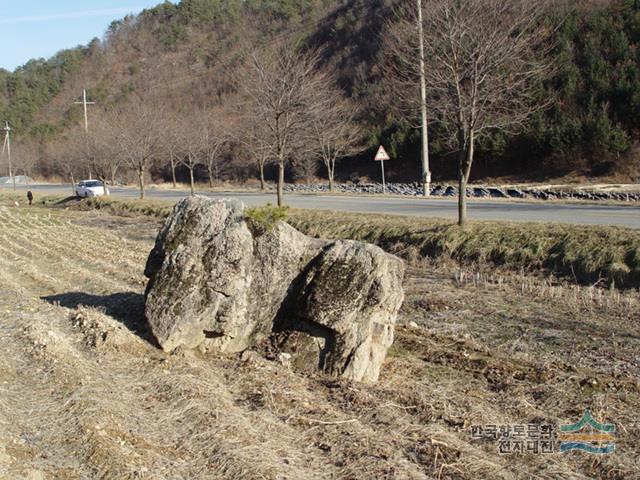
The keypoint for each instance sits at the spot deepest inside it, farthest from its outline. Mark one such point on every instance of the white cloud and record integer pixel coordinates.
(69, 15)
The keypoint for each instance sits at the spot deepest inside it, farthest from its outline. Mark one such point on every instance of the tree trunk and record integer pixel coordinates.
(73, 184)
(262, 184)
(141, 180)
(466, 161)
(462, 198)
(103, 179)
(173, 171)
(192, 182)
(210, 176)
(330, 174)
(281, 183)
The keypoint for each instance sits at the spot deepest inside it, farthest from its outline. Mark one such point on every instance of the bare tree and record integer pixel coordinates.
(172, 142)
(484, 63)
(64, 162)
(96, 151)
(27, 155)
(214, 138)
(335, 133)
(305, 165)
(254, 139)
(280, 86)
(262, 156)
(79, 150)
(103, 152)
(193, 137)
(138, 135)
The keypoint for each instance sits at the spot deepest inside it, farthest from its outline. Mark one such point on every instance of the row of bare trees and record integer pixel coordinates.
(125, 137)
(24, 159)
(288, 109)
(140, 134)
(295, 110)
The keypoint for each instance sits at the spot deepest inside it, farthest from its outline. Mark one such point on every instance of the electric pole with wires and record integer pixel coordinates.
(7, 146)
(426, 172)
(84, 104)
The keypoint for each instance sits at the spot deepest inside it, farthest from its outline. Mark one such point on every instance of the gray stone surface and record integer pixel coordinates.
(216, 285)
(199, 272)
(352, 293)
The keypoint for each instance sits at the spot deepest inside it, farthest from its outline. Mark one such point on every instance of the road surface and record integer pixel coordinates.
(583, 214)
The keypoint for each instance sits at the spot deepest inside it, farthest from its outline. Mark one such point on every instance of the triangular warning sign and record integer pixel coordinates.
(382, 155)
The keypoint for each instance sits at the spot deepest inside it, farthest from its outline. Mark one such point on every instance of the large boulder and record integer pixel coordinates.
(199, 272)
(217, 285)
(348, 299)
(213, 285)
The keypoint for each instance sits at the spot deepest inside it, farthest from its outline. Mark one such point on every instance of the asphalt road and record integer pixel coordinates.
(584, 214)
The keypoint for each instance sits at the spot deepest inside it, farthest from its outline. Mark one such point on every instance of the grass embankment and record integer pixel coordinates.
(150, 208)
(584, 254)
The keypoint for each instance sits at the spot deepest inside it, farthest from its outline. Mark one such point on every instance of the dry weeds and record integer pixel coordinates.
(86, 394)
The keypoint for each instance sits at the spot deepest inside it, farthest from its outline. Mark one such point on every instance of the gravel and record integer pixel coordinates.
(415, 190)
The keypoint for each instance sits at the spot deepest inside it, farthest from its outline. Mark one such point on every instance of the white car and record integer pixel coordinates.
(91, 188)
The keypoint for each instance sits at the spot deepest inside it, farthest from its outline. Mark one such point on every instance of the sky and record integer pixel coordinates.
(40, 28)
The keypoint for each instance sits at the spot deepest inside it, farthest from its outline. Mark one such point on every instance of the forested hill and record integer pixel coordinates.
(188, 54)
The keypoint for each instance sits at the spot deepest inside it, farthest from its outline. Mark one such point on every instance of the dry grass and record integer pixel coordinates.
(604, 256)
(86, 394)
(607, 255)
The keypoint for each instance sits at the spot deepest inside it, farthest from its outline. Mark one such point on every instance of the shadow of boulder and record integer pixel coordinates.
(126, 308)
(66, 200)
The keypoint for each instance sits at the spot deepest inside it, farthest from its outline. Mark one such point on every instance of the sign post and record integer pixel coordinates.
(381, 156)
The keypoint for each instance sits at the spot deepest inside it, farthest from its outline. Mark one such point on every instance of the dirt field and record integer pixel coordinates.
(86, 394)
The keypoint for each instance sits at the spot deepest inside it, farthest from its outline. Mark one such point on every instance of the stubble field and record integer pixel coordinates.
(85, 392)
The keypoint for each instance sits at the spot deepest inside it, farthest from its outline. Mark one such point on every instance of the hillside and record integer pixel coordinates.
(187, 54)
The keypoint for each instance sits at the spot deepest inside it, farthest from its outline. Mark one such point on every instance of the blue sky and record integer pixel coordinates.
(39, 28)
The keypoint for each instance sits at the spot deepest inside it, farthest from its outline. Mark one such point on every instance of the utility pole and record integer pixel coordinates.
(7, 146)
(84, 104)
(426, 173)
